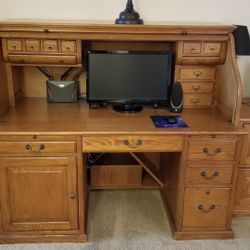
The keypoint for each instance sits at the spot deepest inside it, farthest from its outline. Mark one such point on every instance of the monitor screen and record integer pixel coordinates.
(121, 77)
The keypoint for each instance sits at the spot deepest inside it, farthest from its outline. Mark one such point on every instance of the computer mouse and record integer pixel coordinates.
(171, 120)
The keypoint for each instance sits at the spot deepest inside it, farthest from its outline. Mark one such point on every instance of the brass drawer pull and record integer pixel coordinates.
(192, 49)
(212, 49)
(50, 48)
(204, 174)
(195, 101)
(196, 87)
(72, 196)
(209, 209)
(197, 73)
(130, 145)
(29, 148)
(13, 46)
(216, 151)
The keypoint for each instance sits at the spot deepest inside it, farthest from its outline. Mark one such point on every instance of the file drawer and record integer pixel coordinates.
(205, 208)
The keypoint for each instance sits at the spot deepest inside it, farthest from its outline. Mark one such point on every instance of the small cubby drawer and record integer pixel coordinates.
(68, 46)
(14, 45)
(128, 143)
(206, 208)
(217, 148)
(197, 100)
(204, 174)
(212, 48)
(50, 46)
(197, 73)
(191, 48)
(32, 45)
(197, 87)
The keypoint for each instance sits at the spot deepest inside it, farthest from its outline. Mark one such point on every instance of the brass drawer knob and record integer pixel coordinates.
(204, 175)
(131, 145)
(216, 151)
(195, 101)
(192, 49)
(28, 147)
(13, 46)
(197, 73)
(72, 196)
(209, 209)
(196, 88)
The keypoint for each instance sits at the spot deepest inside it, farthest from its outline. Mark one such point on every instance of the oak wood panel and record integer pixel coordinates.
(4, 93)
(24, 119)
(228, 82)
(245, 154)
(212, 149)
(39, 193)
(242, 195)
(148, 166)
(129, 143)
(115, 176)
(205, 217)
(209, 175)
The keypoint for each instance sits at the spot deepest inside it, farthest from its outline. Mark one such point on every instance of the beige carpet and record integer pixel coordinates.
(135, 220)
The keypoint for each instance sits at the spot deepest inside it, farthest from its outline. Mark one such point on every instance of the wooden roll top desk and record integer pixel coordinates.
(44, 176)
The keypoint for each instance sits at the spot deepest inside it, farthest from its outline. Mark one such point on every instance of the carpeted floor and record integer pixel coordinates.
(136, 220)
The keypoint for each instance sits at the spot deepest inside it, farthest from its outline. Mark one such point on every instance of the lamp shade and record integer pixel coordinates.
(242, 40)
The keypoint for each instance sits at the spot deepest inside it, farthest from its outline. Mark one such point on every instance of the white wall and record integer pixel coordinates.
(226, 11)
(220, 11)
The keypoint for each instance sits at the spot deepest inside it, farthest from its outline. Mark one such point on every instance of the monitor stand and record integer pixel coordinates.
(127, 108)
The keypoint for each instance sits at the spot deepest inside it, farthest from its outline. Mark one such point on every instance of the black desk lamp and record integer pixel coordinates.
(129, 15)
(242, 40)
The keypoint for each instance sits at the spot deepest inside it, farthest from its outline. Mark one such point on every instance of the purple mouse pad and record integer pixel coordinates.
(168, 121)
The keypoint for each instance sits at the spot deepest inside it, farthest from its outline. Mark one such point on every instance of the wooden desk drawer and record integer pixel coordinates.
(32, 46)
(14, 45)
(214, 149)
(197, 73)
(50, 46)
(212, 48)
(128, 143)
(68, 47)
(42, 59)
(205, 208)
(197, 87)
(207, 175)
(25, 144)
(197, 100)
(31, 147)
(191, 48)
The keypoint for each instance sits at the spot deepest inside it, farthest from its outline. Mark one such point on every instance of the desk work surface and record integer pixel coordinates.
(36, 115)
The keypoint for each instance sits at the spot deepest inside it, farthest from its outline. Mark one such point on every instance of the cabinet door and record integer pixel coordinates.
(242, 196)
(38, 193)
(245, 155)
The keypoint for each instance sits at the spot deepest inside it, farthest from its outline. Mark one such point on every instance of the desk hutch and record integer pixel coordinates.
(202, 171)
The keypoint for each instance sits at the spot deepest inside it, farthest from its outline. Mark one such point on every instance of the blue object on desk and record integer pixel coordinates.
(168, 121)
